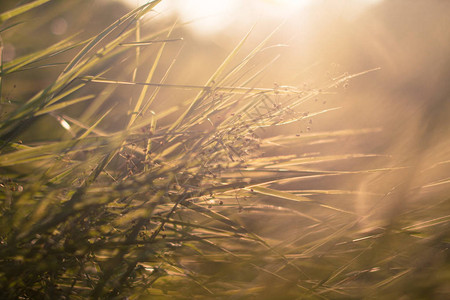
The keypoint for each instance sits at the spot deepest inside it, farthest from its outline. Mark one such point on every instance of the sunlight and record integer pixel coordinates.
(206, 17)
(290, 3)
(284, 149)
(209, 17)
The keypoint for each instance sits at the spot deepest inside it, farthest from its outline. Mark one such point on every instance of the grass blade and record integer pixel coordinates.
(20, 10)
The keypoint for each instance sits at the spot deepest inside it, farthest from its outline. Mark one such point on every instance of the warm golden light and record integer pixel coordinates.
(206, 17)
(224, 149)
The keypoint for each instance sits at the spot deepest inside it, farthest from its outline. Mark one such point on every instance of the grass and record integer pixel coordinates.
(191, 200)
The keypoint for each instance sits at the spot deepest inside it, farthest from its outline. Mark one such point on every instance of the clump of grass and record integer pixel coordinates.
(163, 203)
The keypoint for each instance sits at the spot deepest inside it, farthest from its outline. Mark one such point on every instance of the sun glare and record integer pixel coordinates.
(290, 3)
(207, 17)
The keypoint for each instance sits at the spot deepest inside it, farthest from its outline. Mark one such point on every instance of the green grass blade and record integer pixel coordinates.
(63, 104)
(18, 63)
(144, 90)
(97, 39)
(20, 10)
(49, 151)
(87, 132)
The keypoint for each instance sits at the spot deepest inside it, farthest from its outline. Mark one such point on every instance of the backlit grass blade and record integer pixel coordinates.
(286, 139)
(50, 150)
(103, 34)
(40, 99)
(82, 125)
(279, 194)
(60, 47)
(213, 215)
(291, 197)
(227, 89)
(209, 84)
(87, 132)
(150, 74)
(96, 104)
(146, 8)
(64, 104)
(157, 89)
(1, 69)
(148, 43)
(10, 26)
(317, 159)
(254, 51)
(20, 10)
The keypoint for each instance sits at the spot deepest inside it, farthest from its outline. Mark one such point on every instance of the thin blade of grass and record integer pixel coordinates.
(209, 83)
(20, 10)
(98, 38)
(64, 104)
(144, 90)
(43, 152)
(227, 89)
(291, 197)
(87, 132)
(59, 47)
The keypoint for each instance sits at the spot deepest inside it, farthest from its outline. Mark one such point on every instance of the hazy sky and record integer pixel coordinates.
(214, 15)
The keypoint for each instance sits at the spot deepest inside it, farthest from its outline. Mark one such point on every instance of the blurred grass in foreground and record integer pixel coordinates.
(111, 188)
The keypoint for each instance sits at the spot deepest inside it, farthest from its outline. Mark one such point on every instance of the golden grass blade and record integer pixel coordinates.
(144, 90)
(1, 69)
(82, 125)
(213, 215)
(20, 10)
(148, 43)
(210, 83)
(278, 194)
(227, 89)
(148, 121)
(291, 197)
(146, 8)
(254, 51)
(95, 105)
(87, 132)
(318, 159)
(65, 94)
(20, 62)
(286, 139)
(64, 104)
(157, 89)
(392, 278)
(339, 81)
(97, 39)
(49, 150)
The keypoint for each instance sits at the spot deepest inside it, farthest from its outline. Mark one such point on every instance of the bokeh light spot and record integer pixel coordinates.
(59, 26)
